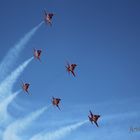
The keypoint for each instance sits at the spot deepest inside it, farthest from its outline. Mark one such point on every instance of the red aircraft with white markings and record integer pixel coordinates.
(56, 101)
(25, 87)
(37, 54)
(48, 17)
(93, 118)
(71, 68)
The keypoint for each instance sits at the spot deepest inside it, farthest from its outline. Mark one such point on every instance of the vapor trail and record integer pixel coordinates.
(14, 130)
(7, 85)
(14, 52)
(4, 104)
(58, 134)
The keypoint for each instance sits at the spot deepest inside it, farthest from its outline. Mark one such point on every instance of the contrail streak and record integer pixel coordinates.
(7, 85)
(58, 134)
(3, 106)
(14, 52)
(14, 130)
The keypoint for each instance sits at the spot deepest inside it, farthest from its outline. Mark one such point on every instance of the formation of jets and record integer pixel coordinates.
(70, 69)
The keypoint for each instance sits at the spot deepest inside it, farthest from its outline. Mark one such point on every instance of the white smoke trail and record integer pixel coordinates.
(14, 130)
(13, 54)
(3, 107)
(7, 85)
(58, 134)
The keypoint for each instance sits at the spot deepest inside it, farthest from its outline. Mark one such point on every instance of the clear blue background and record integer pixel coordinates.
(103, 39)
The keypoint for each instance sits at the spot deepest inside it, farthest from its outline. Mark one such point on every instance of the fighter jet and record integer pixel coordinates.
(37, 54)
(56, 101)
(48, 17)
(25, 87)
(71, 68)
(93, 118)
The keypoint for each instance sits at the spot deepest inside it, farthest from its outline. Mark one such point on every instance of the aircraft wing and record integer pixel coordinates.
(45, 12)
(90, 119)
(73, 73)
(58, 107)
(91, 113)
(96, 124)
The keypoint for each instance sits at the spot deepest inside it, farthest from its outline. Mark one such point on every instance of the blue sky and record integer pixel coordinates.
(102, 38)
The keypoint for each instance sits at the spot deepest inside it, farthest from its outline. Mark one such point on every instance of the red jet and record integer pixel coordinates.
(37, 54)
(56, 101)
(93, 118)
(25, 87)
(71, 68)
(48, 18)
